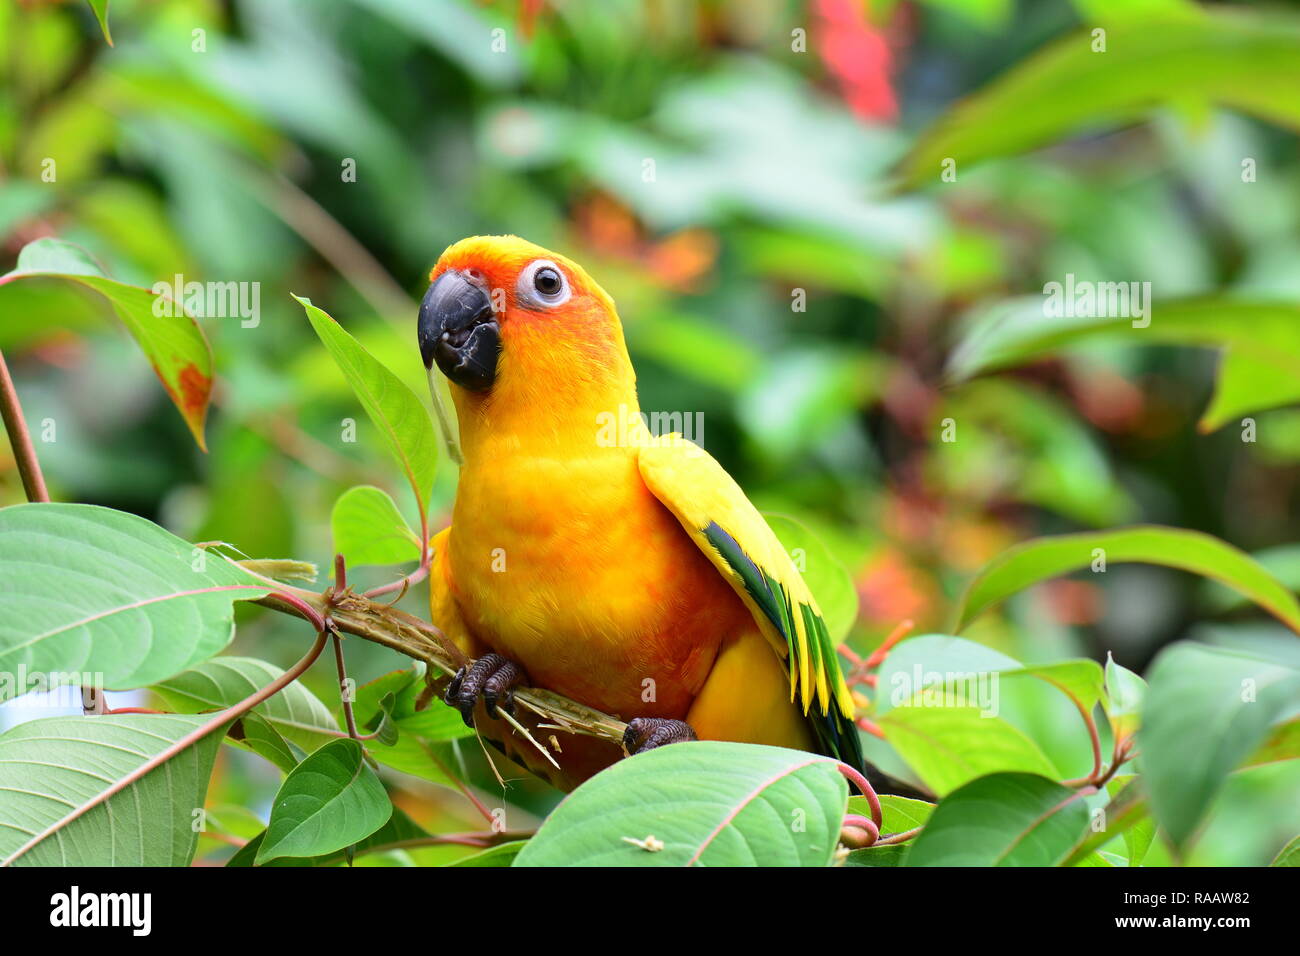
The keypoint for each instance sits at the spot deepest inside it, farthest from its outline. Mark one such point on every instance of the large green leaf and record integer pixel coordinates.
(702, 804)
(1020, 331)
(174, 345)
(930, 660)
(368, 528)
(1258, 371)
(52, 767)
(90, 590)
(295, 712)
(827, 579)
(401, 419)
(950, 746)
(1006, 819)
(1043, 558)
(927, 659)
(1233, 59)
(329, 801)
(1206, 710)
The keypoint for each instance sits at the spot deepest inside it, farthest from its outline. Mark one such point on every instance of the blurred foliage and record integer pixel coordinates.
(772, 276)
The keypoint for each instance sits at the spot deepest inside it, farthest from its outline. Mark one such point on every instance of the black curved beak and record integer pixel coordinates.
(459, 331)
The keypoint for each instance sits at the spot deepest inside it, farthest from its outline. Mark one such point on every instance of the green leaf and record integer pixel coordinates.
(1125, 693)
(927, 659)
(329, 801)
(1127, 809)
(1289, 855)
(295, 712)
(401, 419)
(898, 814)
(708, 803)
(1006, 819)
(950, 746)
(52, 767)
(891, 854)
(1261, 341)
(1079, 679)
(174, 345)
(827, 579)
(255, 733)
(101, 14)
(282, 569)
(931, 660)
(1141, 831)
(503, 854)
(1042, 558)
(1246, 384)
(382, 724)
(1019, 331)
(437, 722)
(233, 820)
(1160, 11)
(368, 528)
(400, 828)
(418, 730)
(92, 591)
(1228, 58)
(1206, 710)
(1283, 743)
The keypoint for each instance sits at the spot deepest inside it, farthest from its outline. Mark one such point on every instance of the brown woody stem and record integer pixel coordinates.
(11, 410)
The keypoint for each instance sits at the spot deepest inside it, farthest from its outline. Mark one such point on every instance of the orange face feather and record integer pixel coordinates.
(557, 363)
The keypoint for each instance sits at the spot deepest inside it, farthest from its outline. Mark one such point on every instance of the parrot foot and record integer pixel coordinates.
(491, 677)
(647, 733)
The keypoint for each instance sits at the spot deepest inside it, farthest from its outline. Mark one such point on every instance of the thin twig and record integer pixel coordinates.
(11, 410)
(891, 838)
(348, 716)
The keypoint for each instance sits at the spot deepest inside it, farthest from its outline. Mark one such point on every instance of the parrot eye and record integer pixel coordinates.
(547, 282)
(543, 285)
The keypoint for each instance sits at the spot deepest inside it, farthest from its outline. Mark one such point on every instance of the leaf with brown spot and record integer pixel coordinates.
(174, 344)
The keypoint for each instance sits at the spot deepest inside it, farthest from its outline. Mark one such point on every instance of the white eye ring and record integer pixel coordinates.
(536, 288)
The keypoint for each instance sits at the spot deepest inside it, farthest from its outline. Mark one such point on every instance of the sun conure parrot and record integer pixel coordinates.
(632, 575)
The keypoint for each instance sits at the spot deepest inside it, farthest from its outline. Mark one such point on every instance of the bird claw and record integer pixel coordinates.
(492, 678)
(647, 733)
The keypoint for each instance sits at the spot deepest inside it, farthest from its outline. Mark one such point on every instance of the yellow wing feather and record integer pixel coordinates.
(727, 527)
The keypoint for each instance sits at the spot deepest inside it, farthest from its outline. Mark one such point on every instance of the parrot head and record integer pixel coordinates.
(504, 318)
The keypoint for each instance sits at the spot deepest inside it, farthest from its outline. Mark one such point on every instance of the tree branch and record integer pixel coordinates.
(356, 614)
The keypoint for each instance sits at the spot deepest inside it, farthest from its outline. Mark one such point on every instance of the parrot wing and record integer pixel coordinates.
(726, 526)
